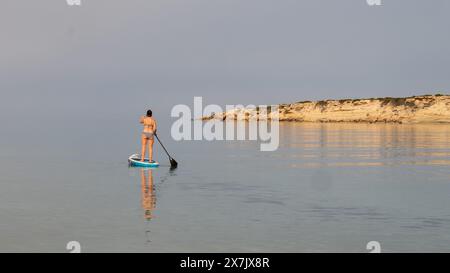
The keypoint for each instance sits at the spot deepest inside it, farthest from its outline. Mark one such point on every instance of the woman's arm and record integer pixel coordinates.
(141, 120)
(154, 126)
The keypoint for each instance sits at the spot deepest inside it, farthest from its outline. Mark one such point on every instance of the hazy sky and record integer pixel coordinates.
(120, 56)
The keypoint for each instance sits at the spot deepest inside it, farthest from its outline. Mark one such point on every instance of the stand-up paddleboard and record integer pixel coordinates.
(135, 161)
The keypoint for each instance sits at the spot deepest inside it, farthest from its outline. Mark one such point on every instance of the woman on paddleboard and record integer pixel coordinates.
(147, 136)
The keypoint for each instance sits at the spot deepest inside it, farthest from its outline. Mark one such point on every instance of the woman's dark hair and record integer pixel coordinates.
(149, 113)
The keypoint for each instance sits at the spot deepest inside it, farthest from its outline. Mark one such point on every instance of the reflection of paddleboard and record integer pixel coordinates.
(135, 161)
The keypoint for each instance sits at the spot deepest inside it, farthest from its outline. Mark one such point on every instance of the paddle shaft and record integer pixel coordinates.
(163, 146)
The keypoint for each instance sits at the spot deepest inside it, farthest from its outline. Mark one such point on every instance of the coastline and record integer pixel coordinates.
(415, 109)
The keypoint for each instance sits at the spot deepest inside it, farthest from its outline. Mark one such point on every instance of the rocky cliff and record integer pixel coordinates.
(417, 109)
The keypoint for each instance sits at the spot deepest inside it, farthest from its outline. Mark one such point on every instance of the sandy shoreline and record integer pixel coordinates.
(416, 109)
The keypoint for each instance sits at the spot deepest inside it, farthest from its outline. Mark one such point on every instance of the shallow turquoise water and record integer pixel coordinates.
(328, 188)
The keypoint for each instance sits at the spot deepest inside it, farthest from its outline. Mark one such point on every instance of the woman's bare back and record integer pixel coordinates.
(149, 124)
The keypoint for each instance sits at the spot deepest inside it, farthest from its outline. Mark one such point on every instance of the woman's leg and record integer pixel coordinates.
(150, 149)
(144, 142)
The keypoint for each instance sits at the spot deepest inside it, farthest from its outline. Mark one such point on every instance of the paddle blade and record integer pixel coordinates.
(173, 163)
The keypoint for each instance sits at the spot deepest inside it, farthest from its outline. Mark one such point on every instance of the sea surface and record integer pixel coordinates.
(328, 188)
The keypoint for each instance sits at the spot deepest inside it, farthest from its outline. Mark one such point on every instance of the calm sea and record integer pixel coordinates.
(328, 188)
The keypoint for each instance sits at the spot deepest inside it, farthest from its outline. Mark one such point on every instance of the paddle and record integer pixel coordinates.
(173, 163)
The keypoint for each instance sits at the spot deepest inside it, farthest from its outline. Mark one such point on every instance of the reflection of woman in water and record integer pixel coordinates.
(147, 135)
(148, 197)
